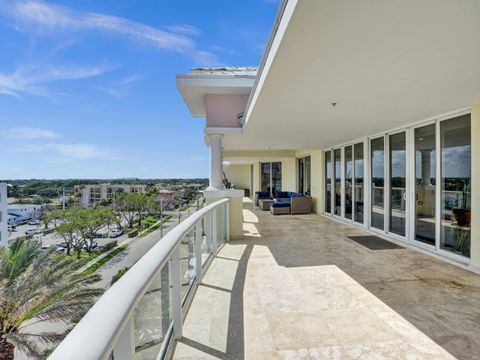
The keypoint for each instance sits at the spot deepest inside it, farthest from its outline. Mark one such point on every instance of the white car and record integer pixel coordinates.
(115, 233)
(34, 222)
(31, 231)
(94, 245)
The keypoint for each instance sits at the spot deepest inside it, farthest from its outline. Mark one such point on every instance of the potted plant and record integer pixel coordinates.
(461, 214)
(461, 241)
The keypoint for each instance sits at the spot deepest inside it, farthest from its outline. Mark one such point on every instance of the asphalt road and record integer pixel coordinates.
(137, 248)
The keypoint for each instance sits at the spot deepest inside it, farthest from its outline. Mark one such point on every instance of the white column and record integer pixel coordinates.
(216, 172)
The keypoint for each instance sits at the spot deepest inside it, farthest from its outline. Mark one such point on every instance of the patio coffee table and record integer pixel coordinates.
(264, 204)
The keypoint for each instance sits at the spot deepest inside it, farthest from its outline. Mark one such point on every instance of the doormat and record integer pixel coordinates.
(375, 243)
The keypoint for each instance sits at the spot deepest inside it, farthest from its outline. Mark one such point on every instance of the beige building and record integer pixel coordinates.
(90, 195)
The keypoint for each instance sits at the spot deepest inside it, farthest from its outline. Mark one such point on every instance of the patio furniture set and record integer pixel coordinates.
(285, 202)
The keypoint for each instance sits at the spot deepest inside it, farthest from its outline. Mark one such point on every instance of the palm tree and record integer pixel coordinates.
(37, 287)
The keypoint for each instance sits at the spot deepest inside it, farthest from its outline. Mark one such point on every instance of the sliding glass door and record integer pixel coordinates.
(328, 181)
(455, 145)
(337, 155)
(304, 177)
(359, 195)
(418, 182)
(425, 168)
(348, 176)
(398, 183)
(271, 177)
(377, 150)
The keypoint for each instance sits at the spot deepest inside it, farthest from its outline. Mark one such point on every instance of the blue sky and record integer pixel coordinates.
(87, 88)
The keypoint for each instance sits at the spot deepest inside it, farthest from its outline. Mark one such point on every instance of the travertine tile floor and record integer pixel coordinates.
(295, 287)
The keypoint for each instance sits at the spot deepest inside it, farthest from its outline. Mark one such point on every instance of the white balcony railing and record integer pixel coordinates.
(142, 313)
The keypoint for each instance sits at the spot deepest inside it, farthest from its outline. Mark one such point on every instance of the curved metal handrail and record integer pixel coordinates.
(96, 335)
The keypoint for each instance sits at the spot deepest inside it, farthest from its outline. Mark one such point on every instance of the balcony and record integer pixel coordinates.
(294, 286)
(298, 287)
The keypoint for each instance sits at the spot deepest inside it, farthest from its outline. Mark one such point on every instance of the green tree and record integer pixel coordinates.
(69, 230)
(35, 287)
(46, 217)
(131, 207)
(90, 220)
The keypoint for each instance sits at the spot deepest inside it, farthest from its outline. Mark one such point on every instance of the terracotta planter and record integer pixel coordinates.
(462, 216)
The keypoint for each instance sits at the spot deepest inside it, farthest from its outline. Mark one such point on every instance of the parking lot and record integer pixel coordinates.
(54, 238)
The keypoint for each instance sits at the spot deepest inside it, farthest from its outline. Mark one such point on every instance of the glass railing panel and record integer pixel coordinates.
(207, 243)
(187, 262)
(153, 317)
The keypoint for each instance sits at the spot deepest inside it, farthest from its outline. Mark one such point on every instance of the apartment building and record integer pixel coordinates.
(89, 195)
(3, 215)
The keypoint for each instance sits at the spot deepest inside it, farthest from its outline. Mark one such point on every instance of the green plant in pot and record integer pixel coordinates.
(462, 215)
(462, 241)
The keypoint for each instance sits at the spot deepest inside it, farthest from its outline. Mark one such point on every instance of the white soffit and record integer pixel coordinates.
(386, 64)
(194, 88)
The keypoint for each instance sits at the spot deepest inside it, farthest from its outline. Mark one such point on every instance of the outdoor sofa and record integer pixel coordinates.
(291, 203)
(261, 195)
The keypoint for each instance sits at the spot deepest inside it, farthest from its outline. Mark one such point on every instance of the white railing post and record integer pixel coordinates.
(176, 293)
(213, 219)
(227, 221)
(125, 346)
(198, 251)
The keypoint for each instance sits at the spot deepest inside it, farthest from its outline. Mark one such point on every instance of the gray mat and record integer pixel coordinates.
(375, 243)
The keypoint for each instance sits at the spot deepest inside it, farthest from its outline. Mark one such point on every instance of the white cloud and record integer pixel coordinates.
(52, 17)
(29, 79)
(74, 151)
(80, 151)
(29, 133)
(118, 88)
(183, 29)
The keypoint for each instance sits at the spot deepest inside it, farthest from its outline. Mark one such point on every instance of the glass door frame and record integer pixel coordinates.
(412, 191)
(331, 151)
(387, 187)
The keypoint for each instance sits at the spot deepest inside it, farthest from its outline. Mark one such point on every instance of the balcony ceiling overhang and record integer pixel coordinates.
(386, 64)
(194, 87)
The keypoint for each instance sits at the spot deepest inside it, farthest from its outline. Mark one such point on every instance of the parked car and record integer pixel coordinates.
(32, 231)
(34, 222)
(11, 228)
(94, 245)
(101, 235)
(115, 233)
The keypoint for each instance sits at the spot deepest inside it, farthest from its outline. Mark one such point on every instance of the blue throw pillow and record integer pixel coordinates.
(281, 194)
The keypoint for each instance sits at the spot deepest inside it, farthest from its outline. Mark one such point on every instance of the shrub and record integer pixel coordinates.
(118, 275)
(133, 233)
(108, 246)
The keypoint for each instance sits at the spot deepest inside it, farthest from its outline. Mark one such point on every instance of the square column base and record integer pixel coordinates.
(236, 208)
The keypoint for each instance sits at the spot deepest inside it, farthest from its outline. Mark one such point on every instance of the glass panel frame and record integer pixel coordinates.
(397, 177)
(377, 181)
(337, 177)
(328, 181)
(455, 185)
(359, 183)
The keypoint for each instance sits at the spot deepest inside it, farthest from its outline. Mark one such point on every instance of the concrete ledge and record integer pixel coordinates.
(224, 193)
